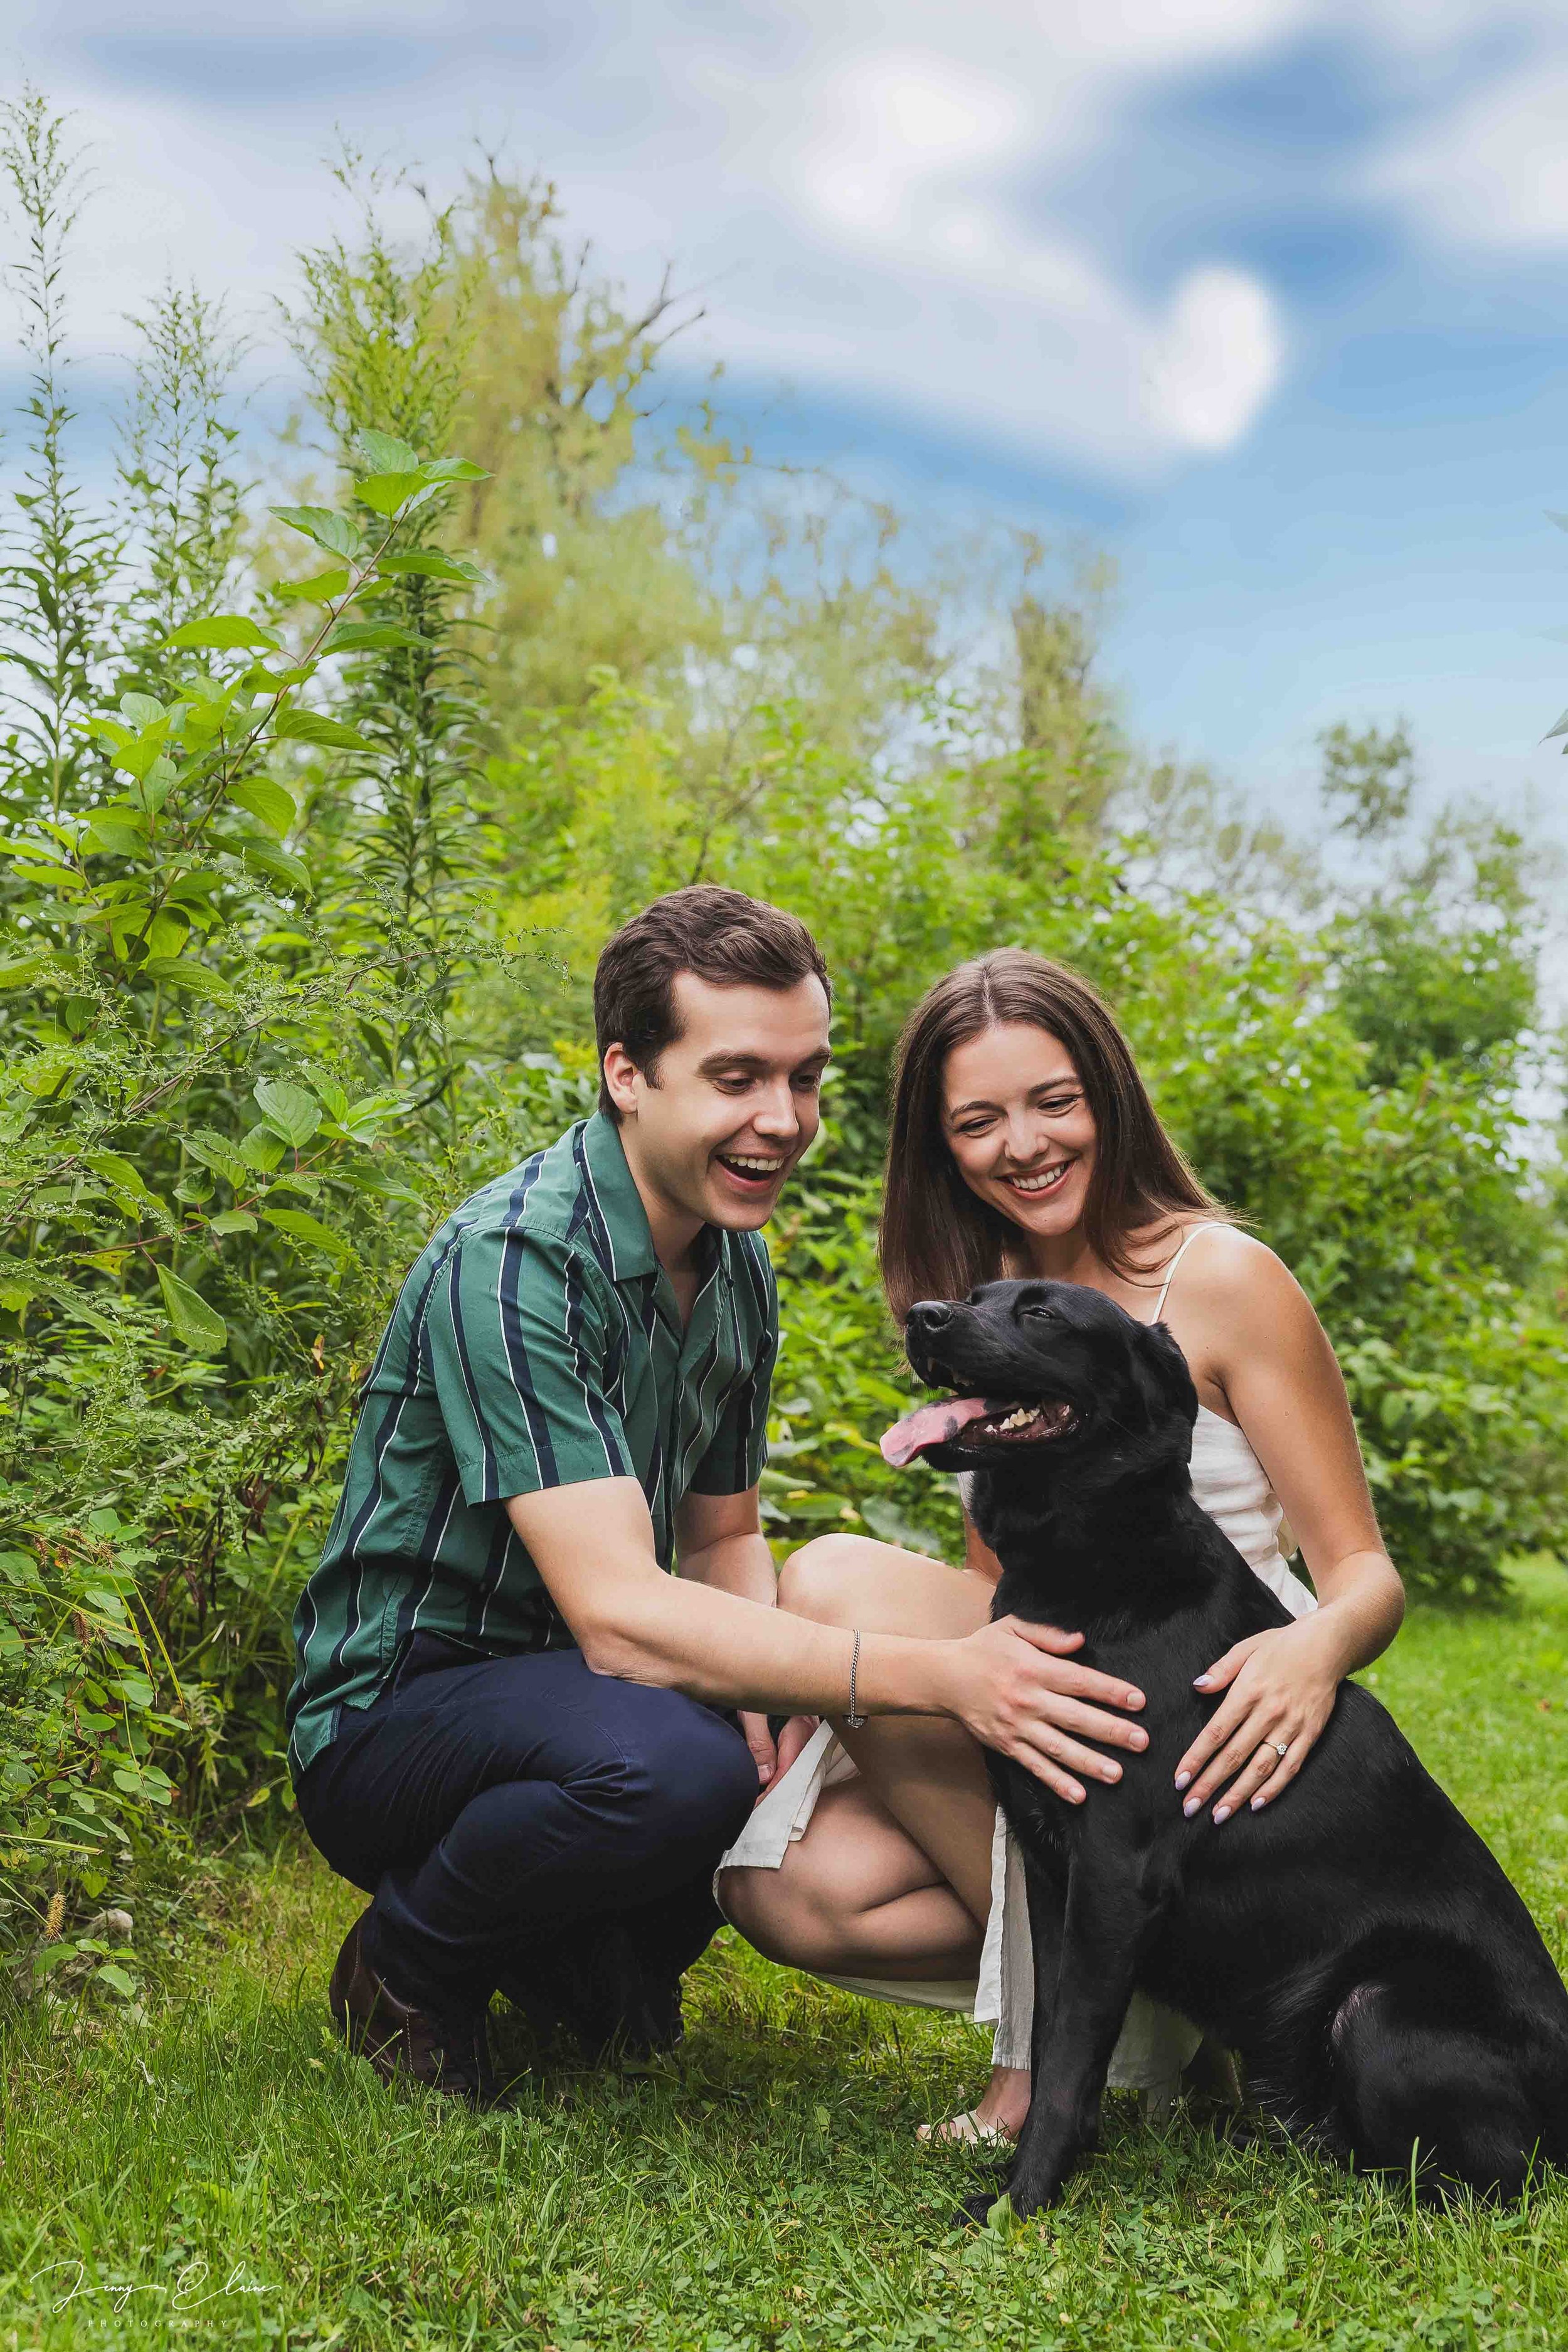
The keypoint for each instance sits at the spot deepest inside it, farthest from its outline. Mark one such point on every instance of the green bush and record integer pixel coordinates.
(299, 904)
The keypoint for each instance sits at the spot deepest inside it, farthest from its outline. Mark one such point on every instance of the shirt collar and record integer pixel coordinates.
(624, 1219)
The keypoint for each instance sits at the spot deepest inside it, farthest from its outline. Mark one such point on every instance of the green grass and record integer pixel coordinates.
(767, 2193)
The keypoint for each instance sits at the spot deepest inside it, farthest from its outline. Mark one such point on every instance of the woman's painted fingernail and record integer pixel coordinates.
(1183, 1778)
(1258, 1804)
(1221, 1813)
(1200, 1682)
(1190, 1808)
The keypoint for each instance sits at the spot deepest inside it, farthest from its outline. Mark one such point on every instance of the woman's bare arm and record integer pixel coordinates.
(1250, 1327)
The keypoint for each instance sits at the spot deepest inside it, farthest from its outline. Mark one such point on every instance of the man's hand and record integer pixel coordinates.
(760, 1740)
(773, 1760)
(1017, 1691)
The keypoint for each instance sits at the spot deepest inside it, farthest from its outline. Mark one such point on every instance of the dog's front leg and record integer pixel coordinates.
(1079, 2005)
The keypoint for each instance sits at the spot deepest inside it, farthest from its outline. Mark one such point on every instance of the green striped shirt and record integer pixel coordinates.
(537, 1342)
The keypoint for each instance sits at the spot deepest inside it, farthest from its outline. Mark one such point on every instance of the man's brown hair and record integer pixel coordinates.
(721, 935)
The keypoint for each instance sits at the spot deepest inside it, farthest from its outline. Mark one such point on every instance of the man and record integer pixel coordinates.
(512, 1725)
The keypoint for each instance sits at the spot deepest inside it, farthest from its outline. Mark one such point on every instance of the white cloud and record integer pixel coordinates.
(1492, 171)
(863, 196)
(1217, 359)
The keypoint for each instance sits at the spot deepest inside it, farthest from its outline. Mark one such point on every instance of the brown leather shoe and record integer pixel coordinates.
(401, 2042)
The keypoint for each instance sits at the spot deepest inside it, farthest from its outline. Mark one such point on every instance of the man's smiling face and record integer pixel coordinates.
(731, 1102)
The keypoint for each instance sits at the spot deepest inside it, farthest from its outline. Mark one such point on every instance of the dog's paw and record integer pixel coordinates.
(976, 2211)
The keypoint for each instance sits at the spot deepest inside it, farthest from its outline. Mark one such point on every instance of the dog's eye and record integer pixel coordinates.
(1038, 1314)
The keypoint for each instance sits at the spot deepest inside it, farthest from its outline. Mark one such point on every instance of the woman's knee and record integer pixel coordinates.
(822, 1580)
(779, 1919)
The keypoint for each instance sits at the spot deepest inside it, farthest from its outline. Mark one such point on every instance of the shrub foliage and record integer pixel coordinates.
(312, 825)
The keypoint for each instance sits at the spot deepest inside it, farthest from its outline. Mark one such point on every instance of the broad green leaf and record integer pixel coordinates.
(324, 525)
(232, 1221)
(259, 679)
(387, 455)
(141, 710)
(110, 730)
(115, 836)
(370, 636)
(166, 935)
(152, 789)
(322, 588)
(261, 1149)
(453, 470)
(217, 1152)
(109, 1972)
(328, 1090)
(384, 493)
(369, 1111)
(140, 758)
(288, 1109)
(300, 1226)
(195, 1324)
(278, 866)
(425, 563)
(16, 969)
(121, 1173)
(192, 979)
(260, 796)
(223, 632)
(309, 726)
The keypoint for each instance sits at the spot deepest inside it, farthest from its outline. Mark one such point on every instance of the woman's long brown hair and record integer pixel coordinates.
(938, 1238)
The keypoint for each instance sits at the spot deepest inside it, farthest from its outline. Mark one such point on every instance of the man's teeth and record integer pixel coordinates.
(1042, 1182)
(753, 1165)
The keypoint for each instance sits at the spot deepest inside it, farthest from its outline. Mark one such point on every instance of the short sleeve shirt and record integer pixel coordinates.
(537, 1342)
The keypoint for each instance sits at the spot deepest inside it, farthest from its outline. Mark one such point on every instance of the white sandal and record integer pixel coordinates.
(963, 2131)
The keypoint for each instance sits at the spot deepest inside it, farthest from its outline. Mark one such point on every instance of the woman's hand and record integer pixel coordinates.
(1280, 1689)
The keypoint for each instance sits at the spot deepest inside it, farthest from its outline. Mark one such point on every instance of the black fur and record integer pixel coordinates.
(1354, 1940)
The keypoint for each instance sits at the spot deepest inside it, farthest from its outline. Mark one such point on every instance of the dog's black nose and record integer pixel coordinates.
(927, 1316)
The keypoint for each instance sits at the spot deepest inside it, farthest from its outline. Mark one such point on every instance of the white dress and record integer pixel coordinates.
(1233, 1487)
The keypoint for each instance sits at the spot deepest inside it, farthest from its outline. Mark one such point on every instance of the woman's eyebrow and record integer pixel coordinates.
(1045, 1086)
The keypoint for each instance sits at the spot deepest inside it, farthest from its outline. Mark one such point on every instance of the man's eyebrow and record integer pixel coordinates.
(723, 1060)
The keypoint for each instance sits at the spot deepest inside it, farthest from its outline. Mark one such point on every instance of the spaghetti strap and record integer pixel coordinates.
(1209, 1225)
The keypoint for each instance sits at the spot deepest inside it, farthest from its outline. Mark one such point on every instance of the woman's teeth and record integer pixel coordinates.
(1046, 1181)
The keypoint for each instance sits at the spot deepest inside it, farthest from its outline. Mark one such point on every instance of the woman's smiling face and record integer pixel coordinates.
(1017, 1123)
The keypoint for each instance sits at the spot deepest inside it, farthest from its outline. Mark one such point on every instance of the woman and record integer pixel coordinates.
(1023, 1142)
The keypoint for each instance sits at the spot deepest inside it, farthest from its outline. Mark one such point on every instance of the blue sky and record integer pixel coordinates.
(1267, 297)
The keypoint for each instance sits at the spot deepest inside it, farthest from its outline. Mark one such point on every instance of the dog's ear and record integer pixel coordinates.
(1161, 1376)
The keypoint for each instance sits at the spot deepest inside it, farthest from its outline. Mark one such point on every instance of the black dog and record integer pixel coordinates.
(1354, 1940)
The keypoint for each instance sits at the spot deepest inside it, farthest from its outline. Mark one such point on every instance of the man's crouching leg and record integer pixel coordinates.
(522, 1825)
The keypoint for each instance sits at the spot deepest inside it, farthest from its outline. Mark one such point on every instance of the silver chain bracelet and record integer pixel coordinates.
(853, 1720)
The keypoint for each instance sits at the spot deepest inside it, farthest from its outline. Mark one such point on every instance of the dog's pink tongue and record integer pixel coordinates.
(929, 1425)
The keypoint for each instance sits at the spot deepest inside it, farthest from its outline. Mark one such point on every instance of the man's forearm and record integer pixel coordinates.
(724, 1647)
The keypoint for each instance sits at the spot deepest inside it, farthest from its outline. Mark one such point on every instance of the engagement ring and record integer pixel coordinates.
(1281, 1749)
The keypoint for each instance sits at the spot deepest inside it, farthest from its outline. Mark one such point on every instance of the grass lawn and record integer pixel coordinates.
(219, 2171)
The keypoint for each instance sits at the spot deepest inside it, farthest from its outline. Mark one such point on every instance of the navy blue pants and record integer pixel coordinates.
(501, 1807)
